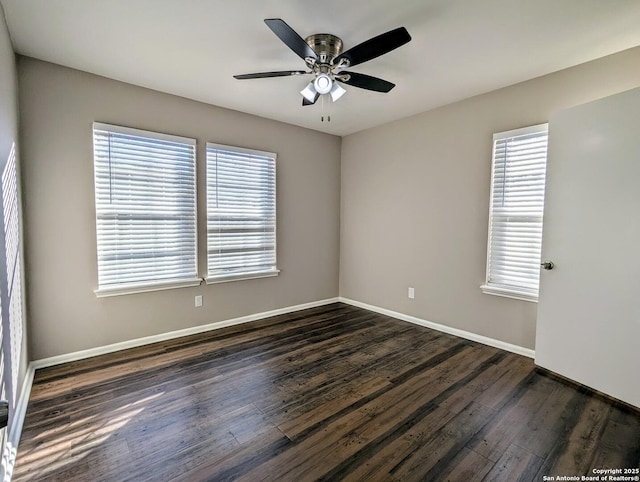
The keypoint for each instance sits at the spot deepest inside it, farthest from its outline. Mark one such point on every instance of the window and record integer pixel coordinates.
(241, 213)
(515, 214)
(12, 326)
(145, 210)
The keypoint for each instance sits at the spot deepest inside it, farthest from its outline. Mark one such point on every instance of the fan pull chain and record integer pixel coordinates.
(322, 115)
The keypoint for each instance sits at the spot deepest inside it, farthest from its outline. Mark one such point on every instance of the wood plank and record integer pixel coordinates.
(516, 463)
(496, 437)
(468, 466)
(619, 445)
(576, 448)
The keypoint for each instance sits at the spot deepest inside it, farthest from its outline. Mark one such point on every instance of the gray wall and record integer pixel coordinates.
(405, 204)
(415, 200)
(14, 345)
(58, 106)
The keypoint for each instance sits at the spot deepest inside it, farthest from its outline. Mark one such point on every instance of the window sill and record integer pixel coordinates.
(239, 277)
(146, 287)
(509, 293)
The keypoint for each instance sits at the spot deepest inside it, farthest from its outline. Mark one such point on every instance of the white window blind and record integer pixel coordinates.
(241, 213)
(515, 218)
(145, 186)
(12, 328)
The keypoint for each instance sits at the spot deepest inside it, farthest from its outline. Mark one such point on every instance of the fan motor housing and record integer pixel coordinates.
(327, 46)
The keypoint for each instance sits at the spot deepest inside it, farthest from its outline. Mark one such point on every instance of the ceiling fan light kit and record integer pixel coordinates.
(309, 92)
(323, 84)
(323, 56)
(336, 92)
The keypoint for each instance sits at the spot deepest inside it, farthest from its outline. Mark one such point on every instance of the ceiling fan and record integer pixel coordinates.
(323, 55)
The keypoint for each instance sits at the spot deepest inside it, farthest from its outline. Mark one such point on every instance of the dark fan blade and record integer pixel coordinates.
(366, 82)
(262, 75)
(290, 38)
(375, 47)
(305, 101)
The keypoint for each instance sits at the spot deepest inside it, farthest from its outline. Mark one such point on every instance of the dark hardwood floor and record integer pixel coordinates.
(330, 393)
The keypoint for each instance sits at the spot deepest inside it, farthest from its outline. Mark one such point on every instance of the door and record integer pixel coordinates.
(588, 326)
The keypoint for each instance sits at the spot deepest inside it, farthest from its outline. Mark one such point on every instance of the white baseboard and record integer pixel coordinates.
(20, 411)
(15, 429)
(101, 350)
(503, 345)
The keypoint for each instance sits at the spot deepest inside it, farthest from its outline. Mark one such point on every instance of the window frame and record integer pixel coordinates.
(157, 284)
(224, 278)
(489, 287)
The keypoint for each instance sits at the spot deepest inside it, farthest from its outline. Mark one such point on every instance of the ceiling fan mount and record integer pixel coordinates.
(324, 57)
(326, 46)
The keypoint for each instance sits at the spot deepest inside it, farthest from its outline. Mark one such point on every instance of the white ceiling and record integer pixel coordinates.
(192, 48)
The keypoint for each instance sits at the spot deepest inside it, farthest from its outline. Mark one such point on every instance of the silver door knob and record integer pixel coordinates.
(547, 264)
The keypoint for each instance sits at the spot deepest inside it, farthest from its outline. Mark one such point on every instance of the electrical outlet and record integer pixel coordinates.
(412, 293)
(198, 300)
